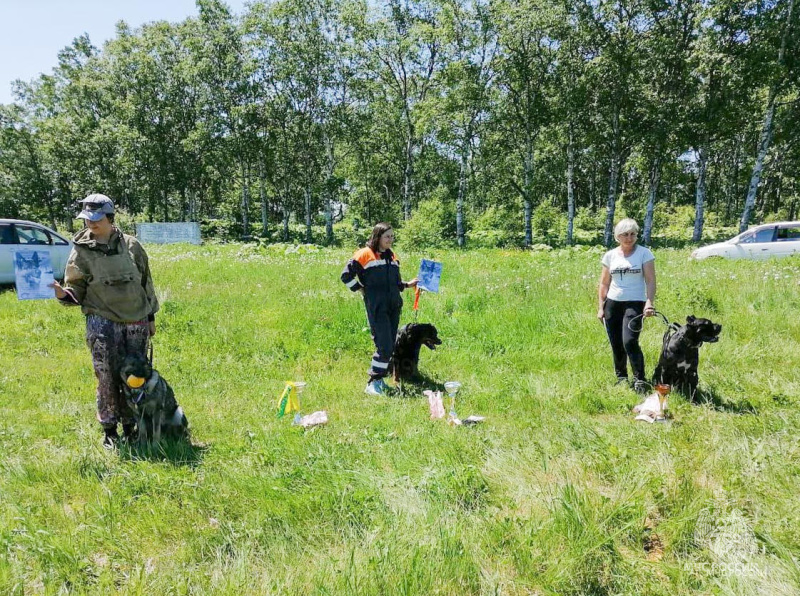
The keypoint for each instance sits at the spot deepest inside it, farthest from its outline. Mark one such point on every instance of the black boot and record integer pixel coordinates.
(111, 438)
(128, 433)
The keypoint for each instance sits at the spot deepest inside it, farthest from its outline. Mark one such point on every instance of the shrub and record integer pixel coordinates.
(589, 221)
(124, 221)
(432, 225)
(220, 229)
(500, 217)
(781, 215)
(493, 239)
(345, 234)
(548, 222)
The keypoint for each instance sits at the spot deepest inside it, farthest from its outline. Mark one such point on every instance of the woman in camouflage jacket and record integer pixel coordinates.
(108, 275)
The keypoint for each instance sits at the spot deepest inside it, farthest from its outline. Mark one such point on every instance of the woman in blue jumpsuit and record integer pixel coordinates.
(375, 271)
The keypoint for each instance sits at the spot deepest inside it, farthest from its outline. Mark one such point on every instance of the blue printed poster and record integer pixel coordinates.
(430, 273)
(34, 274)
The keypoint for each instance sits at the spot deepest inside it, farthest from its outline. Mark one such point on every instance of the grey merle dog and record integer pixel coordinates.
(152, 400)
(680, 354)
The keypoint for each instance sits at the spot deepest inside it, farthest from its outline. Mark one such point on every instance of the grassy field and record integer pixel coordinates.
(559, 492)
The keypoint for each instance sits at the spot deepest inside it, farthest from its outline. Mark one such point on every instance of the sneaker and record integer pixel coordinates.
(110, 438)
(641, 386)
(621, 381)
(374, 388)
(384, 387)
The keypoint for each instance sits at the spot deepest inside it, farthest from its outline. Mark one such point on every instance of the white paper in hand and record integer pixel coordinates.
(34, 274)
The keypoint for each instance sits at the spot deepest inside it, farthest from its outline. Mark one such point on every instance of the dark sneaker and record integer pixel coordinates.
(621, 381)
(641, 386)
(111, 438)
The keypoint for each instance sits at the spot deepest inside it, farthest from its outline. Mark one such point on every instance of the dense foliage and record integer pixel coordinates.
(505, 121)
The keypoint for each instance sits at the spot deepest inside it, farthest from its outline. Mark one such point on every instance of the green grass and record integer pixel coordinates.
(559, 492)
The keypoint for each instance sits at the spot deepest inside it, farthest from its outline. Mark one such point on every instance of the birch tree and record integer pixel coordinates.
(789, 41)
(528, 54)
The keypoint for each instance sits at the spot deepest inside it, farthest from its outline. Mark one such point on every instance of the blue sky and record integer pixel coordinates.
(33, 31)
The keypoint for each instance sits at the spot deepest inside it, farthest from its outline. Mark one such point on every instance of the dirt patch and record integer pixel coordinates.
(651, 541)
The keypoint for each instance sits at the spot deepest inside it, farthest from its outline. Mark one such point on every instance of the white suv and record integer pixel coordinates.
(779, 239)
(16, 234)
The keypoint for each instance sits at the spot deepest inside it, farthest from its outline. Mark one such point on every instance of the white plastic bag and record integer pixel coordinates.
(314, 419)
(435, 404)
(652, 409)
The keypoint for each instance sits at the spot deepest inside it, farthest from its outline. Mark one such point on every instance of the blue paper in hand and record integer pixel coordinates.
(430, 273)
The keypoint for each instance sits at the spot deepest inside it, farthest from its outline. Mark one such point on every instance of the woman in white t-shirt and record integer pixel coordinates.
(627, 289)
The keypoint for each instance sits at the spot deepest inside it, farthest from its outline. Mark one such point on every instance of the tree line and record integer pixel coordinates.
(472, 114)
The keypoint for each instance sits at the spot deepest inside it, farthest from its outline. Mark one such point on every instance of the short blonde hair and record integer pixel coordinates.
(625, 225)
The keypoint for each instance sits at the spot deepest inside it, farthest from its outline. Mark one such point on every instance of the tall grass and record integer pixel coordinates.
(559, 492)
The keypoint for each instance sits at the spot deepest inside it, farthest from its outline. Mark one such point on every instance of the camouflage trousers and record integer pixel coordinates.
(109, 343)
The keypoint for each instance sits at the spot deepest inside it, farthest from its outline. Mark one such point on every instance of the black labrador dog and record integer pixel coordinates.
(152, 400)
(410, 339)
(680, 355)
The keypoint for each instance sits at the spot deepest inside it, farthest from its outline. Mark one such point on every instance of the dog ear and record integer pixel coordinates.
(691, 319)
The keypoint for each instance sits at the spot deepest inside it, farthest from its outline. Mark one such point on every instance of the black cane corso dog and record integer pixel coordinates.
(680, 355)
(410, 338)
(152, 400)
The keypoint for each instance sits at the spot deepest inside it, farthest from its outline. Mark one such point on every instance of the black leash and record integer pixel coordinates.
(671, 328)
(641, 326)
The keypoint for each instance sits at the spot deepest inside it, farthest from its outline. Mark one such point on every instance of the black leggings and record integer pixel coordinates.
(624, 342)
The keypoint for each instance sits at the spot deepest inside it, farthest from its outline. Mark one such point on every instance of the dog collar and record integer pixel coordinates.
(680, 336)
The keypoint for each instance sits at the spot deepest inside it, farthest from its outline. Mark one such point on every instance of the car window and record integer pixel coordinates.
(788, 234)
(764, 235)
(7, 234)
(57, 240)
(31, 235)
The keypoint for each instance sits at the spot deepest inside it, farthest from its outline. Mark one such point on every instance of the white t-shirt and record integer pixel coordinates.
(627, 273)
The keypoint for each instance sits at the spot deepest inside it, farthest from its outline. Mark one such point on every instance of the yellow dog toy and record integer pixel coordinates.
(134, 382)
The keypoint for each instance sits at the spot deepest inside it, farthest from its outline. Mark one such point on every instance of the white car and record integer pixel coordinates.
(779, 239)
(17, 234)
